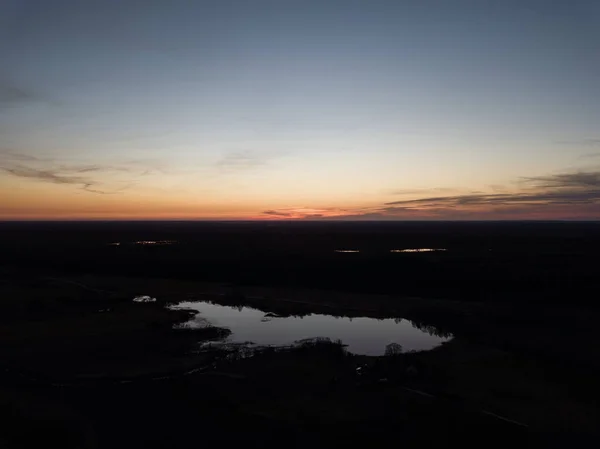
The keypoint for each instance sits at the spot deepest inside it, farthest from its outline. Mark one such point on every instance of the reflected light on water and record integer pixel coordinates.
(155, 242)
(417, 250)
(361, 335)
(347, 251)
(145, 242)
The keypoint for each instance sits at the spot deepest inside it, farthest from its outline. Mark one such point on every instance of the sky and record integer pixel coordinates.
(300, 109)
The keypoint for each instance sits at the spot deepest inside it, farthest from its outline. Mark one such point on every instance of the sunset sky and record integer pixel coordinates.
(253, 109)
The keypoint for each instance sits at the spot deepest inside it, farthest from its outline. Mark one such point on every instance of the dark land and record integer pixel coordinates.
(84, 366)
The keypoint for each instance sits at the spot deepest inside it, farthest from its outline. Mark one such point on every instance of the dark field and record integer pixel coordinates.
(517, 261)
(84, 366)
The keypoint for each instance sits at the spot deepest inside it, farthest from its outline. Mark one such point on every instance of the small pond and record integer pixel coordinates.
(365, 336)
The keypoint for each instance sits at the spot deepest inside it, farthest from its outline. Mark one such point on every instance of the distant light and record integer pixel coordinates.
(417, 250)
(144, 298)
(147, 242)
(347, 251)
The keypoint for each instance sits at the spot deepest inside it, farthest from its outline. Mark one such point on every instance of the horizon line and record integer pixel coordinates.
(288, 220)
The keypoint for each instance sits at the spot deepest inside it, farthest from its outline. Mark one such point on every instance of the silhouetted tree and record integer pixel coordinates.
(393, 349)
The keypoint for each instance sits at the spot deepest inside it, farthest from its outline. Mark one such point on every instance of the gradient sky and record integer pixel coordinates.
(248, 109)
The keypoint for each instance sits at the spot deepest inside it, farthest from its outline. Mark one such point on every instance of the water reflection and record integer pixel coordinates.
(417, 250)
(361, 335)
(144, 298)
(146, 243)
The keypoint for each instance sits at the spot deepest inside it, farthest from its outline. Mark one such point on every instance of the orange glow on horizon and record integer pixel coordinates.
(39, 201)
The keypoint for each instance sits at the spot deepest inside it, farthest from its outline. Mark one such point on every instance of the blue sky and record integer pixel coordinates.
(228, 109)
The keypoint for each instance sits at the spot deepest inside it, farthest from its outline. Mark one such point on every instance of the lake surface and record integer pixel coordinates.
(366, 336)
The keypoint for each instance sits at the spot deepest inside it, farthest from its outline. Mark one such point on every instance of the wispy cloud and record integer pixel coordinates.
(12, 94)
(564, 195)
(7, 155)
(437, 190)
(573, 187)
(88, 177)
(44, 175)
(578, 180)
(303, 213)
(275, 213)
(583, 143)
(94, 168)
(589, 155)
(58, 177)
(242, 160)
(594, 142)
(586, 197)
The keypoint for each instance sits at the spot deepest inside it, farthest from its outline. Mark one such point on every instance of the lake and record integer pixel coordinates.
(362, 335)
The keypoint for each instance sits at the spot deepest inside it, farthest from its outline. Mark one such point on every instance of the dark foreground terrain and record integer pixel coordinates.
(85, 366)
